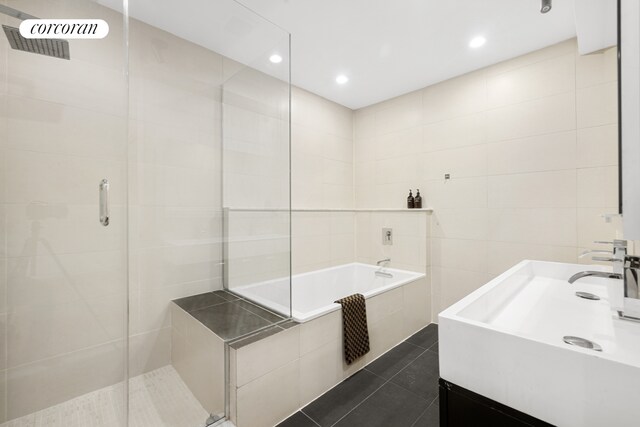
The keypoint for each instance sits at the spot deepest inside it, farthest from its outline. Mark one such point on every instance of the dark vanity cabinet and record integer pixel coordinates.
(460, 407)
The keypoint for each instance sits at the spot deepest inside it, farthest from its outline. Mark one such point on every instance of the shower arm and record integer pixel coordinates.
(14, 13)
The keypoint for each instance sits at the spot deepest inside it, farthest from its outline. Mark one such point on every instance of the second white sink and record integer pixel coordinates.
(505, 341)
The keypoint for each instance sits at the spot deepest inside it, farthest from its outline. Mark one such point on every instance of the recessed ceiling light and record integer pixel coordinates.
(342, 79)
(476, 42)
(275, 58)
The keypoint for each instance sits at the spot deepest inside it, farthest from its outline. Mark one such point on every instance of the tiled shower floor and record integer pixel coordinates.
(158, 398)
(399, 389)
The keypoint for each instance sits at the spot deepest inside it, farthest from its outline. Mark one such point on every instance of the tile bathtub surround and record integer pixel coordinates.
(306, 359)
(400, 388)
(531, 148)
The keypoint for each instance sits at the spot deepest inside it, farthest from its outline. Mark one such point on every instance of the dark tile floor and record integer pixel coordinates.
(228, 316)
(399, 389)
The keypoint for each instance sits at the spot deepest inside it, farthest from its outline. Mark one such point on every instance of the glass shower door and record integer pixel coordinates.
(63, 265)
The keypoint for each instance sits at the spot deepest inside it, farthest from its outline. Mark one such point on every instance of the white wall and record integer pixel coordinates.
(531, 146)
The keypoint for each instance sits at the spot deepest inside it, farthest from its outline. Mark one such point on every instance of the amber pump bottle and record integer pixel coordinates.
(417, 202)
(410, 201)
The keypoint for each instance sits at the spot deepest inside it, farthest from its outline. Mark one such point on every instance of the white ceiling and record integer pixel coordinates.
(385, 47)
(391, 47)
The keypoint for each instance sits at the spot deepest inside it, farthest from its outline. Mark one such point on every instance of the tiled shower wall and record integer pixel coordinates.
(531, 148)
(175, 197)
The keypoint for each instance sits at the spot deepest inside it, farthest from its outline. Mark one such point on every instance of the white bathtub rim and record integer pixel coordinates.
(301, 317)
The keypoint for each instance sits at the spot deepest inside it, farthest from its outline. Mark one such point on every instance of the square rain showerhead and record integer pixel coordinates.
(50, 47)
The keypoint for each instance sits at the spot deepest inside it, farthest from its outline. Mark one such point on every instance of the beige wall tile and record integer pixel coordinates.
(264, 356)
(45, 383)
(402, 143)
(149, 351)
(319, 371)
(3, 285)
(381, 306)
(271, 398)
(399, 113)
(598, 187)
(598, 146)
(593, 227)
(454, 284)
(456, 193)
(416, 305)
(596, 68)
(461, 223)
(541, 116)
(504, 255)
(597, 105)
(385, 334)
(455, 253)
(321, 331)
(456, 97)
(532, 154)
(364, 123)
(550, 226)
(458, 163)
(455, 132)
(3, 396)
(198, 356)
(539, 80)
(533, 190)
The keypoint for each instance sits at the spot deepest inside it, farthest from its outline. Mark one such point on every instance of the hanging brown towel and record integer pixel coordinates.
(354, 326)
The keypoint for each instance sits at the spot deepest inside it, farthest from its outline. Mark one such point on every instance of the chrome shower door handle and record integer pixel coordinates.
(104, 202)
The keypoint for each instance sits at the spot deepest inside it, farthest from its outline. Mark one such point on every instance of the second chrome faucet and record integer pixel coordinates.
(618, 254)
(625, 268)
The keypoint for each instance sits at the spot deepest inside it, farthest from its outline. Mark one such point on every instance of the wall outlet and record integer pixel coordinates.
(387, 236)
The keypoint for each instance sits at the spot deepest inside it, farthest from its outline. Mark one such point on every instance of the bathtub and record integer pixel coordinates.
(313, 293)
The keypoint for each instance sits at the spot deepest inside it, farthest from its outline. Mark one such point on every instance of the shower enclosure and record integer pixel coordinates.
(136, 170)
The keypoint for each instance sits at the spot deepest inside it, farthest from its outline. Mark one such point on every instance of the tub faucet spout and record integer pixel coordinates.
(384, 261)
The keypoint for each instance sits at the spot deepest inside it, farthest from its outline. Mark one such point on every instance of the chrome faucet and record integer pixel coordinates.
(625, 268)
(381, 272)
(618, 253)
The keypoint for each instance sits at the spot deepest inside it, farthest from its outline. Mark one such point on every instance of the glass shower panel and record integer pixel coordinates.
(176, 364)
(181, 58)
(256, 171)
(63, 273)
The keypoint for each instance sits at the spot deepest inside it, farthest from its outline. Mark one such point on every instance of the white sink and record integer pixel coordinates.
(505, 341)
